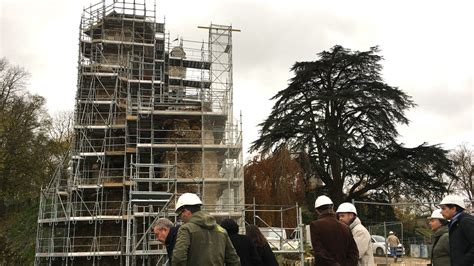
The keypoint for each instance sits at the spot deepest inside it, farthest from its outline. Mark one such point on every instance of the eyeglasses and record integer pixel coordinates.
(181, 212)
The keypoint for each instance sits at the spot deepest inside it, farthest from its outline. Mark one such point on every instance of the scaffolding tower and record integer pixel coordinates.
(153, 119)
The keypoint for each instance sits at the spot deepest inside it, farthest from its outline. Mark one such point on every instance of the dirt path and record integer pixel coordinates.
(405, 261)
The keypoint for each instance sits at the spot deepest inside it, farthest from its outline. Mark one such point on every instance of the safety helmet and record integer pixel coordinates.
(188, 199)
(390, 233)
(322, 200)
(453, 199)
(436, 215)
(347, 207)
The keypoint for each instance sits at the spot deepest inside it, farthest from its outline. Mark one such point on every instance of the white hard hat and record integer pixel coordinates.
(322, 200)
(390, 233)
(453, 199)
(188, 199)
(436, 215)
(347, 207)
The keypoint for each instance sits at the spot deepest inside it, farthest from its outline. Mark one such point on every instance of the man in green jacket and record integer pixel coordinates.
(200, 240)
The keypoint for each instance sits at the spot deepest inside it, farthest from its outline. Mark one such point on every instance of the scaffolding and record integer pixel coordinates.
(153, 119)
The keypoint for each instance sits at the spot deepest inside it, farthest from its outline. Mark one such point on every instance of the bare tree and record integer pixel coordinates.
(463, 158)
(62, 126)
(61, 133)
(13, 80)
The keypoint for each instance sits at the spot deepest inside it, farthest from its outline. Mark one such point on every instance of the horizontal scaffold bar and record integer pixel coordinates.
(80, 254)
(84, 218)
(207, 147)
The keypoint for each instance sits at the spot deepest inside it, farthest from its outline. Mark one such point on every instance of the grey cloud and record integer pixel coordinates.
(42, 36)
(443, 101)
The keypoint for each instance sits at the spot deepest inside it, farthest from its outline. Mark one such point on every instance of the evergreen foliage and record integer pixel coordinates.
(339, 111)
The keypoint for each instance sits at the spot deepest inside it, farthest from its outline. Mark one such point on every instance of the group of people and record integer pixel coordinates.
(201, 241)
(339, 238)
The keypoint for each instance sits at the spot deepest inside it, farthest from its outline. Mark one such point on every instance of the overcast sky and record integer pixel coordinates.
(428, 48)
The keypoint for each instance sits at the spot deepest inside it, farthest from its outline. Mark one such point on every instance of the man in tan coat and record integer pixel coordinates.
(347, 213)
(393, 243)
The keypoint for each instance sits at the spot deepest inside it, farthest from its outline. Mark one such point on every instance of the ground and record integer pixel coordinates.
(405, 261)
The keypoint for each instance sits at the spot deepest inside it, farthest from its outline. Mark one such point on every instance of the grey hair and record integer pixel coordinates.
(163, 222)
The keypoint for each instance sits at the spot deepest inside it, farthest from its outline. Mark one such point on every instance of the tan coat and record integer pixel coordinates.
(364, 243)
(393, 241)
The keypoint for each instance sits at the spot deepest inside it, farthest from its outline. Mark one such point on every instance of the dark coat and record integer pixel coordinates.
(461, 240)
(440, 250)
(267, 256)
(246, 250)
(332, 242)
(170, 241)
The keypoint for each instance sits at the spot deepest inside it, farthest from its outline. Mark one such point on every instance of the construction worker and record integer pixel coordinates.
(332, 240)
(200, 240)
(440, 239)
(461, 230)
(347, 213)
(393, 243)
(166, 233)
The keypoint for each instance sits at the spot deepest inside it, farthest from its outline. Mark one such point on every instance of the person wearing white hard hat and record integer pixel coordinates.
(393, 243)
(200, 240)
(347, 213)
(332, 240)
(439, 239)
(461, 230)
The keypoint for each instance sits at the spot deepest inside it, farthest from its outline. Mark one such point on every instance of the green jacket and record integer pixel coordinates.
(201, 241)
(440, 251)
